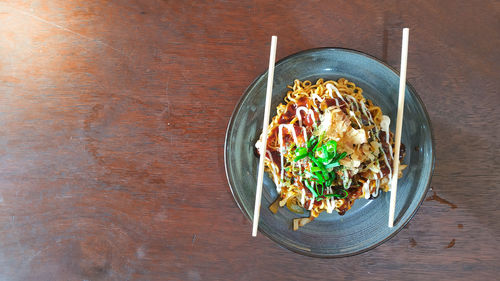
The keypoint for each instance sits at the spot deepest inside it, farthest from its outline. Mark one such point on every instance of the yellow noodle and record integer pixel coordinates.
(313, 94)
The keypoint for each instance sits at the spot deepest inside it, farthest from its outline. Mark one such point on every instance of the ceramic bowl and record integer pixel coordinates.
(364, 226)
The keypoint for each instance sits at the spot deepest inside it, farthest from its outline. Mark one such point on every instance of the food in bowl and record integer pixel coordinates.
(326, 147)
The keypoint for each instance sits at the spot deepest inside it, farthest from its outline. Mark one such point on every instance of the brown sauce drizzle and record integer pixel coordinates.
(302, 101)
(288, 115)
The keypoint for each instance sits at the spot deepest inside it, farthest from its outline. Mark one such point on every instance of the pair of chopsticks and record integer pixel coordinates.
(399, 124)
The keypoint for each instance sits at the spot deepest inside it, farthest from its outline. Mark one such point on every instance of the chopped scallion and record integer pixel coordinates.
(315, 169)
(341, 194)
(308, 185)
(332, 165)
(331, 146)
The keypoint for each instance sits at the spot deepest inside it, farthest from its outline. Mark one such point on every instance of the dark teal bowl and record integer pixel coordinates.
(364, 226)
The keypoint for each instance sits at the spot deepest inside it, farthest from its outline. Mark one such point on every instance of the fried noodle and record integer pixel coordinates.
(328, 113)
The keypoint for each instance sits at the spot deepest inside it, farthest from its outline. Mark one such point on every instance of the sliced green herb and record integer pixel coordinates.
(311, 174)
(300, 153)
(308, 185)
(329, 182)
(340, 156)
(340, 194)
(320, 178)
(332, 165)
(322, 190)
(325, 155)
(312, 141)
(331, 146)
(299, 158)
(319, 141)
(315, 169)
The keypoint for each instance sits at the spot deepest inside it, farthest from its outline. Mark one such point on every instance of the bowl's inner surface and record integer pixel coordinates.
(365, 224)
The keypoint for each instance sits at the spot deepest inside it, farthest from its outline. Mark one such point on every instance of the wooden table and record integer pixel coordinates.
(113, 118)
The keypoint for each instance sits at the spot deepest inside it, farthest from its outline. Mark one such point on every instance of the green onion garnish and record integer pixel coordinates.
(343, 194)
(319, 142)
(300, 153)
(308, 185)
(332, 165)
(331, 146)
(322, 190)
(315, 169)
(340, 157)
(320, 178)
(328, 182)
(325, 157)
(311, 174)
(340, 194)
(322, 169)
(312, 141)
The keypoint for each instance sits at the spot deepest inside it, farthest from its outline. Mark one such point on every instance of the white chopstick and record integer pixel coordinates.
(399, 125)
(263, 144)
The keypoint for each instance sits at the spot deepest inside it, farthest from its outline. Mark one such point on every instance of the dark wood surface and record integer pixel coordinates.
(112, 125)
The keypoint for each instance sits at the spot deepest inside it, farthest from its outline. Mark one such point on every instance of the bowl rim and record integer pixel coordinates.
(230, 125)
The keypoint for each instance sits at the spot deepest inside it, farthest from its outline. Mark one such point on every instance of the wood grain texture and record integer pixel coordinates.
(112, 124)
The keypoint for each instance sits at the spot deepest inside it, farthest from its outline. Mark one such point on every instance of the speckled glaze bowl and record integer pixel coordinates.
(364, 226)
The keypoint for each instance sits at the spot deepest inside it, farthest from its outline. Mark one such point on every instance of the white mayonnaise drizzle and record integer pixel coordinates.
(280, 136)
(330, 87)
(347, 184)
(274, 172)
(384, 124)
(353, 102)
(355, 118)
(329, 190)
(330, 205)
(311, 203)
(377, 184)
(366, 189)
(307, 111)
(315, 97)
(302, 196)
(367, 113)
